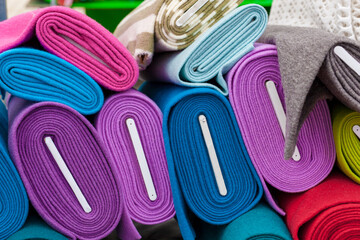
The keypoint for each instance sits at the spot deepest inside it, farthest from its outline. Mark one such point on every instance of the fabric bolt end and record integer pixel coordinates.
(195, 190)
(346, 140)
(112, 126)
(310, 71)
(165, 25)
(77, 39)
(211, 56)
(37, 75)
(261, 222)
(262, 133)
(327, 211)
(86, 158)
(14, 204)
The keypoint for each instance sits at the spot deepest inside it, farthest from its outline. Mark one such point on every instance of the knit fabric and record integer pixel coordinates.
(77, 39)
(112, 128)
(193, 183)
(87, 160)
(262, 134)
(204, 62)
(153, 26)
(310, 71)
(335, 16)
(38, 76)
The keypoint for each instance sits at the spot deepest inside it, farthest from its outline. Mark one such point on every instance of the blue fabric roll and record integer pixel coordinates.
(35, 228)
(211, 56)
(191, 175)
(39, 76)
(14, 204)
(260, 222)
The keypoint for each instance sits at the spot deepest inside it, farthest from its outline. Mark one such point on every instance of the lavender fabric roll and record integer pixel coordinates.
(261, 131)
(144, 206)
(48, 187)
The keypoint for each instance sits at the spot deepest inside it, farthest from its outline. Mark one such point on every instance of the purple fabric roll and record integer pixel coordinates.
(112, 126)
(86, 158)
(262, 133)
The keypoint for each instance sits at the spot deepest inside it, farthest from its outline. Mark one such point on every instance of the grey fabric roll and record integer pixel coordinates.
(311, 71)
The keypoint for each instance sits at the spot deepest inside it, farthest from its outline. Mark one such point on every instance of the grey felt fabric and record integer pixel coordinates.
(310, 71)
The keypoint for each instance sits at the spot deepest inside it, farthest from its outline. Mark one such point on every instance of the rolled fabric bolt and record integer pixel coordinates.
(14, 204)
(77, 39)
(163, 25)
(39, 76)
(326, 73)
(262, 134)
(205, 61)
(35, 228)
(261, 222)
(327, 211)
(62, 178)
(347, 142)
(195, 179)
(130, 125)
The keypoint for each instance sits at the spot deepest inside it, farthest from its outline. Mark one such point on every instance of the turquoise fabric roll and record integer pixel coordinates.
(204, 62)
(38, 76)
(193, 183)
(14, 203)
(35, 228)
(260, 222)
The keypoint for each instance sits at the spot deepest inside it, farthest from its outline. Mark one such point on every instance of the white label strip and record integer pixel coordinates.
(280, 113)
(347, 59)
(67, 174)
(212, 154)
(84, 50)
(190, 12)
(135, 138)
(356, 130)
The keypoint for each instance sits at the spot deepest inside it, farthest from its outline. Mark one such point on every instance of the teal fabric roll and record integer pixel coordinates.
(260, 222)
(204, 62)
(35, 228)
(14, 204)
(193, 183)
(38, 76)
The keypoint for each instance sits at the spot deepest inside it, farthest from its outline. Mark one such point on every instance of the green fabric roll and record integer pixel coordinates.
(346, 142)
(259, 223)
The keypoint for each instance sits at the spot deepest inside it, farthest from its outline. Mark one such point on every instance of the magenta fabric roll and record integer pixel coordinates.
(112, 127)
(77, 39)
(86, 158)
(262, 133)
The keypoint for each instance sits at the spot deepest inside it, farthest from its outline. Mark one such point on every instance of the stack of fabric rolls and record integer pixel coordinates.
(234, 134)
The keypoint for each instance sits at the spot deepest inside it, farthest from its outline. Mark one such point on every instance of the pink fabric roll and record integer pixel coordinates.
(77, 39)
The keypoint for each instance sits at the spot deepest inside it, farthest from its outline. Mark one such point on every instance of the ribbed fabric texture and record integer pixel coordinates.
(192, 178)
(40, 76)
(86, 158)
(204, 62)
(112, 128)
(77, 39)
(35, 228)
(346, 142)
(311, 72)
(327, 211)
(261, 222)
(261, 131)
(14, 204)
